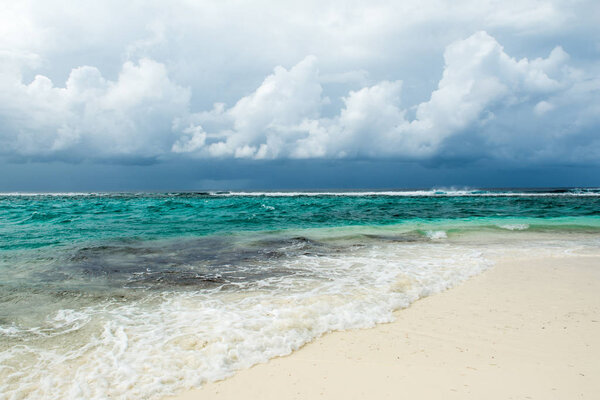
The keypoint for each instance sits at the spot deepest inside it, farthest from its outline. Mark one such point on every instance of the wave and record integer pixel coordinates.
(159, 316)
(436, 235)
(442, 192)
(168, 341)
(514, 227)
(417, 193)
(164, 341)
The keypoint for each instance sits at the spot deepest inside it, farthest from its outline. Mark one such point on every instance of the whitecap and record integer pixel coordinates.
(514, 227)
(436, 235)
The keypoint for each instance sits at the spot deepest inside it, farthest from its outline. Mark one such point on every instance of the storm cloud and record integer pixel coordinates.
(516, 84)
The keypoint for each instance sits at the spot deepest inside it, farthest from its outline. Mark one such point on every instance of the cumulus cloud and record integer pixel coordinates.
(486, 100)
(91, 117)
(261, 121)
(480, 83)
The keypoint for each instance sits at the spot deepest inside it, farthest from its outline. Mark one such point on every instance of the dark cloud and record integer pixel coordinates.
(153, 99)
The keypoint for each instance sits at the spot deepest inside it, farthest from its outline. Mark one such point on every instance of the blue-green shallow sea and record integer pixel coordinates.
(137, 295)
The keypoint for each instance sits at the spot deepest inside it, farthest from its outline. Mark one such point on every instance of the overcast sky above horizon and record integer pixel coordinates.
(149, 95)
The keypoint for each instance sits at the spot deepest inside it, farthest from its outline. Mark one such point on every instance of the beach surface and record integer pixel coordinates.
(528, 328)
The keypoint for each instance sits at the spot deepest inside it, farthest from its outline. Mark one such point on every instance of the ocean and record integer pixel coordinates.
(139, 295)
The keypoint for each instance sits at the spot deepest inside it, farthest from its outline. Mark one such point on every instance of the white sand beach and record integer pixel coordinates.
(528, 328)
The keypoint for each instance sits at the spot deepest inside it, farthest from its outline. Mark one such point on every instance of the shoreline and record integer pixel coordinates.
(529, 327)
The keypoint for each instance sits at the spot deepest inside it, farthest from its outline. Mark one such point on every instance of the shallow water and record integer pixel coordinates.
(138, 295)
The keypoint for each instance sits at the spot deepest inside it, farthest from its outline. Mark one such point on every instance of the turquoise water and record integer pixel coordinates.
(137, 295)
(33, 221)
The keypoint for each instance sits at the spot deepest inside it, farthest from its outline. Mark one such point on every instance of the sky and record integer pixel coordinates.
(232, 95)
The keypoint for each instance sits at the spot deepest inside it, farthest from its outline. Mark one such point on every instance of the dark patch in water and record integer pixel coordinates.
(191, 263)
(178, 278)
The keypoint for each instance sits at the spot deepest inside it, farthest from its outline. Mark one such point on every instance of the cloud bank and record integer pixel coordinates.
(486, 104)
(91, 117)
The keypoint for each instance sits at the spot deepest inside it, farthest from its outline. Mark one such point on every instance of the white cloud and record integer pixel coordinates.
(479, 78)
(223, 49)
(281, 118)
(92, 117)
(143, 108)
(543, 107)
(261, 121)
(193, 139)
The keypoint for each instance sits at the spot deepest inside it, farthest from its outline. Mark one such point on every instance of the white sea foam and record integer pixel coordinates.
(175, 341)
(514, 227)
(436, 235)
(415, 193)
(442, 192)
(172, 341)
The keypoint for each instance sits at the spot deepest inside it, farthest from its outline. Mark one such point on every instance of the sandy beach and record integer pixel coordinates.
(528, 328)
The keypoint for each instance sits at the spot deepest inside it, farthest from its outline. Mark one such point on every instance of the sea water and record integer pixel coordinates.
(137, 295)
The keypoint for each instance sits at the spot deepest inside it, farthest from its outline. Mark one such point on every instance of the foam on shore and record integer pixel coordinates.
(176, 340)
(171, 341)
